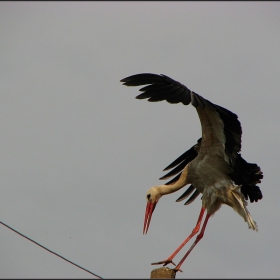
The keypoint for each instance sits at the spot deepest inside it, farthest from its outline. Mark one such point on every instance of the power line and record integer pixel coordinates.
(50, 250)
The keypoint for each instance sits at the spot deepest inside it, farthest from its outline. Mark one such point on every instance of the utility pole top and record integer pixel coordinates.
(163, 272)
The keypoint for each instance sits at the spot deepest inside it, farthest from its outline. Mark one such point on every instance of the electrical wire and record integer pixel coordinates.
(50, 250)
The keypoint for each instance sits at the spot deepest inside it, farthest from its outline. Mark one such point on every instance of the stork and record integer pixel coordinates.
(213, 167)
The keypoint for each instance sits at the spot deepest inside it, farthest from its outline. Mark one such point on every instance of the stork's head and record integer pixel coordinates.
(153, 195)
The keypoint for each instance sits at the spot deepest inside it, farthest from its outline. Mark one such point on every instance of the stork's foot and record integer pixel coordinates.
(165, 262)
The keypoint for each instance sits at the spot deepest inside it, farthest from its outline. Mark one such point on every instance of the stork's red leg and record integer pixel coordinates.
(194, 232)
(195, 242)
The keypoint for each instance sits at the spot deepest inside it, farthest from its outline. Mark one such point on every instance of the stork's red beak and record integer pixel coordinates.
(148, 215)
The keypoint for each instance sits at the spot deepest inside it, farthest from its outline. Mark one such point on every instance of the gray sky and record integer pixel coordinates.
(79, 152)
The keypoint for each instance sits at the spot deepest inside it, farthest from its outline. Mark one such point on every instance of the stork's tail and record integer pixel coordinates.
(241, 209)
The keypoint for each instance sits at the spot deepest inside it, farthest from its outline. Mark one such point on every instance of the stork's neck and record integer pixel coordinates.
(180, 183)
(167, 189)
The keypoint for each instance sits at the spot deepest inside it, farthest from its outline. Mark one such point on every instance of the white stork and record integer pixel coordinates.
(213, 166)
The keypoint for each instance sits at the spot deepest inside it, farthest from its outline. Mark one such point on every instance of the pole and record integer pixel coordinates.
(163, 272)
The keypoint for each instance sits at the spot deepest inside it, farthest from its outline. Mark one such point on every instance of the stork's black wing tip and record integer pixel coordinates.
(142, 79)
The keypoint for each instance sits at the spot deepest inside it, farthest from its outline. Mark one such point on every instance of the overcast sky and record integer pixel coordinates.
(79, 152)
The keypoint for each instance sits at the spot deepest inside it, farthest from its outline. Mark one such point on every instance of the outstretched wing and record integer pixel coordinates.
(160, 87)
(216, 121)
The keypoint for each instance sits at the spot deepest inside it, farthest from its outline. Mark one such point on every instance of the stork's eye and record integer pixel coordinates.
(148, 196)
